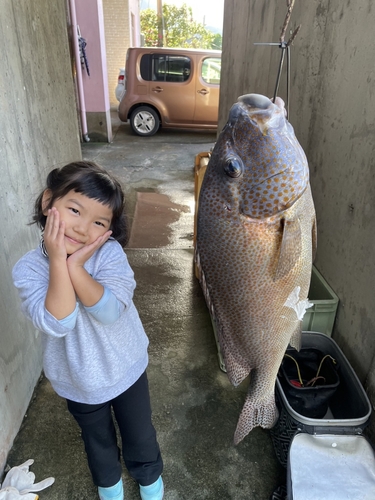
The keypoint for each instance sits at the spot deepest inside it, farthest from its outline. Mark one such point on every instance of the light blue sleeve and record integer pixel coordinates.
(70, 321)
(108, 309)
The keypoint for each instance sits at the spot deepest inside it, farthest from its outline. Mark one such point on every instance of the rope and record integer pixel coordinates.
(317, 376)
(298, 370)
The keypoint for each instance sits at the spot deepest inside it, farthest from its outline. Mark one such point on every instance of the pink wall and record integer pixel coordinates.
(91, 23)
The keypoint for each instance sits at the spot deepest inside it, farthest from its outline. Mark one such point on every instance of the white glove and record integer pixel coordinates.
(11, 493)
(19, 483)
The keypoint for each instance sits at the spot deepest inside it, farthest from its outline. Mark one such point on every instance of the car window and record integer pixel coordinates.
(211, 70)
(165, 68)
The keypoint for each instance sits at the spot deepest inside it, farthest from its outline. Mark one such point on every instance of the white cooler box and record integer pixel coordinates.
(330, 467)
(327, 458)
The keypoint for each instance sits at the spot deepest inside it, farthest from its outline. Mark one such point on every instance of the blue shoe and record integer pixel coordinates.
(154, 491)
(115, 492)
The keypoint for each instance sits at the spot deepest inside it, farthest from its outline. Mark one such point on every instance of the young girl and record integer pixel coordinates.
(77, 288)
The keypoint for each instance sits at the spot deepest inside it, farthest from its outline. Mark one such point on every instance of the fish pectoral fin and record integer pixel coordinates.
(291, 248)
(296, 338)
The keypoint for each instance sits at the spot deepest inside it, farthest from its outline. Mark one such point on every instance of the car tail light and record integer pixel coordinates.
(121, 78)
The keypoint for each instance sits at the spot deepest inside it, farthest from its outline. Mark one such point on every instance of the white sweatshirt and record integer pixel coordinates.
(92, 362)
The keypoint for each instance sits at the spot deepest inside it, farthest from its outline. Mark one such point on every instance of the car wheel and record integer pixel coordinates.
(144, 121)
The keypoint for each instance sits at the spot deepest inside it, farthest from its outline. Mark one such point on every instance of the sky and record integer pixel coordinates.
(208, 11)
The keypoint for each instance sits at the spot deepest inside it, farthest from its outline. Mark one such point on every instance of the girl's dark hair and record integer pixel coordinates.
(93, 181)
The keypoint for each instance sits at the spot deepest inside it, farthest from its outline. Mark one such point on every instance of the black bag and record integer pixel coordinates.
(309, 380)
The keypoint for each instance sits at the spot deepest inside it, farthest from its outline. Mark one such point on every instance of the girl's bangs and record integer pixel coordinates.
(101, 188)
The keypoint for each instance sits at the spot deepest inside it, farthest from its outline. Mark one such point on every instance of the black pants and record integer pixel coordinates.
(140, 448)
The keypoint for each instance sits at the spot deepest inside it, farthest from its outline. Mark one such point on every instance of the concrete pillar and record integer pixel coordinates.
(38, 131)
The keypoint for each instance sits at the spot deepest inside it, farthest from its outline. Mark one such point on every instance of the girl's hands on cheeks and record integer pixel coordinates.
(54, 235)
(79, 257)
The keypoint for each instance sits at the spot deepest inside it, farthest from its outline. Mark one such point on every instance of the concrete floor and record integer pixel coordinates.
(195, 409)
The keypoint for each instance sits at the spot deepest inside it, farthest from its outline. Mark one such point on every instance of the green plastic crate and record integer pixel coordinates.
(318, 318)
(321, 316)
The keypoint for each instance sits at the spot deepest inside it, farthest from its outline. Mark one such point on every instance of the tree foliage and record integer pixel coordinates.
(179, 28)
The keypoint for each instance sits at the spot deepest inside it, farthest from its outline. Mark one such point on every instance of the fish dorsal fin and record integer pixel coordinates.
(291, 247)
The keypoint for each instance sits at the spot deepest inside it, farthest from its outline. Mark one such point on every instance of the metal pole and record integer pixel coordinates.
(160, 23)
(287, 79)
(279, 72)
(77, 57)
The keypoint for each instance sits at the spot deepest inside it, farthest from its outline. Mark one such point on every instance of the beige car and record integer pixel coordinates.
(170, 88)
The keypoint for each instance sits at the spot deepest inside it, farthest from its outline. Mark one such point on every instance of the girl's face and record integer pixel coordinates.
(85, 219)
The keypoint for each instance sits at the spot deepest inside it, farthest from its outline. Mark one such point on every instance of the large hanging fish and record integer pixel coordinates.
(256, 237)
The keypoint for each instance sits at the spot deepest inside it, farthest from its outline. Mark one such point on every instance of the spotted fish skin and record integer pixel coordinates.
(256, 237)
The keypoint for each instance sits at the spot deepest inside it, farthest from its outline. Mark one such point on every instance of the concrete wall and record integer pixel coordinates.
(121, 24)
(332, 110)
(38, 130)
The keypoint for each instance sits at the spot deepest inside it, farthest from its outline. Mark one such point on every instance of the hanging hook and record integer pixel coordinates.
(285, 47)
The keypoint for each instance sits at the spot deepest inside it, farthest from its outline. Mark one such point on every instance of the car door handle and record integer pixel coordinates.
(203, 91)
(157, 89)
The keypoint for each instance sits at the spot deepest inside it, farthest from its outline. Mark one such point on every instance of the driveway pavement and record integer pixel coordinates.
(195, 409)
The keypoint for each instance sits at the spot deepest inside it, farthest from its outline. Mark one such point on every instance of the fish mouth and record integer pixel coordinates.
(261, 102)
(263, 113)
(256, 101)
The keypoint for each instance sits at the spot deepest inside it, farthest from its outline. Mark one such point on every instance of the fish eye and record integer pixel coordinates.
(233, 167)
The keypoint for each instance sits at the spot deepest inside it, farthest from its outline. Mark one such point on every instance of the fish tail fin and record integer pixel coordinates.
(256, 412)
